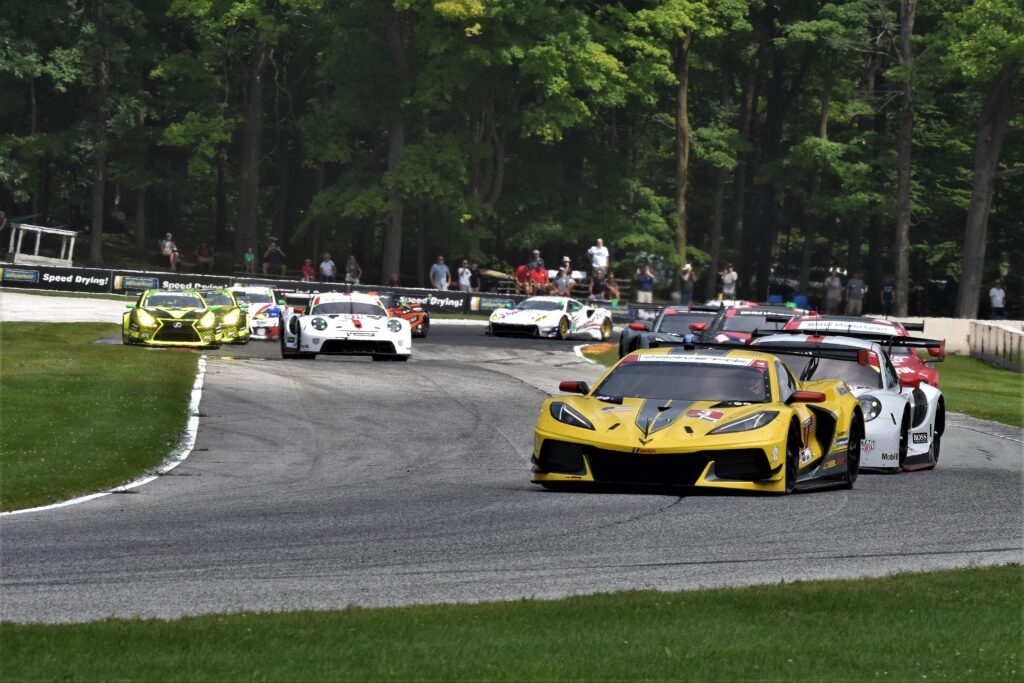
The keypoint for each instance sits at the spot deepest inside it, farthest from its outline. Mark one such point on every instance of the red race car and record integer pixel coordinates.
(418, 317)
(904, 358)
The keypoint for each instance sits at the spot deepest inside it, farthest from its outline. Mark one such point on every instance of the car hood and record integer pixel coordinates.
(521, 317)
(348, 322)
(179, 313)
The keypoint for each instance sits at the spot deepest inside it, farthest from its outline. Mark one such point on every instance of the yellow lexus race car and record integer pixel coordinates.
(170, 318)
(232, 316)
(719, 418)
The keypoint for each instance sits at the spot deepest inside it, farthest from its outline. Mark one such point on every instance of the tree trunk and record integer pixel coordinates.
(99, 168)
(247, 222)
(809, 225)
(221, 210)
(682, 73)
(992, 128)
(748, 100)
(903, 169)
(391, 258)
(718, 212)
(140, 221)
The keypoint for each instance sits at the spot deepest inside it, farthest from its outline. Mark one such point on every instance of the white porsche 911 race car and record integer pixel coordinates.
(345, 323)
(552, 316)
(264, 311)
(904, 418)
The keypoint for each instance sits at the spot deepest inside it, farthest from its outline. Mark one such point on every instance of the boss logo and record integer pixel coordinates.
(921, 438)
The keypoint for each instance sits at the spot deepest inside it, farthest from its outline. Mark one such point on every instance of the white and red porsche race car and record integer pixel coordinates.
(345, 323)
(904, 418)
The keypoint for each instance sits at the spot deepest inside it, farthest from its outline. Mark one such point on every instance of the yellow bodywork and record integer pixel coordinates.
(686, 448)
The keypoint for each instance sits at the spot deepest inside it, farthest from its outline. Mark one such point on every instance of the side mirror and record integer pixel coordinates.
(129, 306)
(639, 327)
(244, 307)
(807, 397)
(280, 302)
(571, 387)
(938, 352)
(911, 380)
(698, 327)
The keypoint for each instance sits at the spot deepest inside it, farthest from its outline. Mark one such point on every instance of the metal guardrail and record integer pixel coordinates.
(1001, 343)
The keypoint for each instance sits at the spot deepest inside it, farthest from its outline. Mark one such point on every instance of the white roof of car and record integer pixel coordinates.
(869, 326)
(357, 297)
(556, 299)
(829, 339)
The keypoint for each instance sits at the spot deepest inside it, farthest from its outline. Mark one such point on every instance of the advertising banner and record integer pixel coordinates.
(487, 304)
(55, 278)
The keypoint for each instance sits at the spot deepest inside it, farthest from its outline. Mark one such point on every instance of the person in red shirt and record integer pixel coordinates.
(522, 281)
(539, 280)
(308, 272)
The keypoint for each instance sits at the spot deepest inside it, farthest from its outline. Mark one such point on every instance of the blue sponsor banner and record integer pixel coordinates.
(135, 282)
(488, 304)
(19, 275)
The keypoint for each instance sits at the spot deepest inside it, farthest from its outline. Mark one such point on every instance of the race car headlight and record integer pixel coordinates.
(563, 413)
(755, 421)
(232, 317)
(208, 319)
(394, 325)
(145, 319)
(871, 406)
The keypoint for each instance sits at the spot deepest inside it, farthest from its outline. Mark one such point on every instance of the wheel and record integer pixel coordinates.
(792, 465)
(623, 345)
(853, 452)
(563, 328)
(936, 445)
(378, 357)
(904, 441)
(400, 358)
(424, 329)
(606, 330)
(307, 356)
(286, 352)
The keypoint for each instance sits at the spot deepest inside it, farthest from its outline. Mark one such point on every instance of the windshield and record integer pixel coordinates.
(749, 323)
(218, 299)
(175, 301)
(849, 371)
(534, 305)
(687, 382)
(254, 297)
(679, 323)
(347, 307)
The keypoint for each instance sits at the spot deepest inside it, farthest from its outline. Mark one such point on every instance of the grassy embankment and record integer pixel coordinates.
(971, 386)
(959, 625)
(79, 417)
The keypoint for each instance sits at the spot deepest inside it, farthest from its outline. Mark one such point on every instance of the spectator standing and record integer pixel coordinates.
(599, 256)
(474, 276)
(564, 282)
(644, 285)
(273, 257)
(465, 275)
(687, 279)
(729, 277)
(249, 260)
(833, 292)
(308, 271)
(598, 285)
(539, 280)
(997, 300)
(887, 295)
(204, 257)
(328, 271)
(169, 249)
(855, 289)
(440, 275)
(522, 279)
(353, 271)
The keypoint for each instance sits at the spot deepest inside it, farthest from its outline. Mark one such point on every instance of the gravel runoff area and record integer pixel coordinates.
(340, 481)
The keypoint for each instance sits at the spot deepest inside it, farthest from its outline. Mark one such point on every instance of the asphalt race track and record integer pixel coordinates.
(342, 481)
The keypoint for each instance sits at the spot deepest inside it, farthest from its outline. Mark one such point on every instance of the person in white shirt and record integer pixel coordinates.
(997, 300)
(729, 278)
(598, 256)
(465, 276)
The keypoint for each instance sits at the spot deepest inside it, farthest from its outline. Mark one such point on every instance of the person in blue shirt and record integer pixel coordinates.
(644, 285)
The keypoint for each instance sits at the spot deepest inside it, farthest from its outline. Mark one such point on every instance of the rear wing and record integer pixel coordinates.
(780, 318)
(884, 339)
(913, 327)
(809, 350)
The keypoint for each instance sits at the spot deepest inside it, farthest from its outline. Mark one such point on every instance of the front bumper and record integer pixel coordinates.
(165, 333)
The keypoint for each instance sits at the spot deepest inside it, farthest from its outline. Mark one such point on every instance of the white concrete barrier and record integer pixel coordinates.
(1000, 342)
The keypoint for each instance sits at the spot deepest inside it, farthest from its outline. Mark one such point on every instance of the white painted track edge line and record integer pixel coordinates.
(176, 457)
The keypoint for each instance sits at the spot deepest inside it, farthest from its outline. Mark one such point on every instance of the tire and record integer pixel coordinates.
(563, 328)
(936, 446)
(307, 356)
(792, 464)
(424, 329)
(285, 351)
(853, 452)
(904, 441)
(379, 357)
(606, 330)
(400, 358)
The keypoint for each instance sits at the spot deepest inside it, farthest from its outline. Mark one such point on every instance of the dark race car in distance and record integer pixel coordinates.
(672, 324)
(737, 325)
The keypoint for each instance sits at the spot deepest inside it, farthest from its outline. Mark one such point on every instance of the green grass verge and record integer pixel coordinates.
(959, 625)
(81, 417)
(982, 390)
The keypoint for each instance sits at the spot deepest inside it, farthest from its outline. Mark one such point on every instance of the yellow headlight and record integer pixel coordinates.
(145, 319)
(208, 319)
(232, 317)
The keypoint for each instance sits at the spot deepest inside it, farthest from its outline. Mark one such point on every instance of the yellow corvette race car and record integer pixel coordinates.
(720, 418)
(232, 317)
(170, 318)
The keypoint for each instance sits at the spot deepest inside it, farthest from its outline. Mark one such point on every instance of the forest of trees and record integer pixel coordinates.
(880, 136)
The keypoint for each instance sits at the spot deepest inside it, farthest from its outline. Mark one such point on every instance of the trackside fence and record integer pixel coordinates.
(998, 342)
